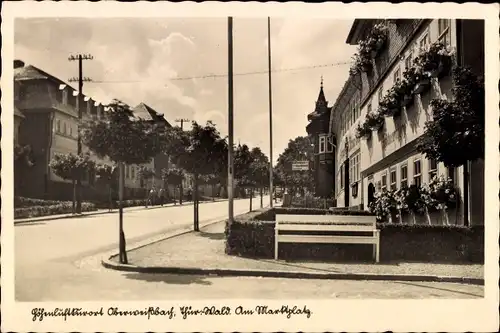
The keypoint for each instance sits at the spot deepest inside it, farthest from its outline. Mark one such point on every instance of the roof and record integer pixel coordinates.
(31, 72)
(144, 111)
(358, 26)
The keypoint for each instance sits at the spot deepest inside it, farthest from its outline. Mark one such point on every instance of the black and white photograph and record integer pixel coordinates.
(185, 167)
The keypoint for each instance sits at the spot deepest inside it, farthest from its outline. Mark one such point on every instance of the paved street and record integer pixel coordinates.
(69, 269)
(44, 251)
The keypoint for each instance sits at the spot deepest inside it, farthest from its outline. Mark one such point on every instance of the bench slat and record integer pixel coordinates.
(327, 239)
(327, 218)
(319, 227)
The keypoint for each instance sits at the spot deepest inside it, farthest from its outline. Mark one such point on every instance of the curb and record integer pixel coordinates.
(115, 210)
(289, 274)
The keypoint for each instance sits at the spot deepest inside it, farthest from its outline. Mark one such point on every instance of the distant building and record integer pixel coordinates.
(46, 119)
(388, 159)
(318, 131)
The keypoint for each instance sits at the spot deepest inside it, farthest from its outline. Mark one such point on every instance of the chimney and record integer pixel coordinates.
(18, 64)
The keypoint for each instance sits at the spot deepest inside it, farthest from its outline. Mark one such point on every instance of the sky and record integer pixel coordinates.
(141, 60)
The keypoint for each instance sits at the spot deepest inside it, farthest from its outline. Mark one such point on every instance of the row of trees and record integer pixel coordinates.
(126, 140)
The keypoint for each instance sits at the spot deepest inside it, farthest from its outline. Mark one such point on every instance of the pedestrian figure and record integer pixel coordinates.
(161, 196)
(152, 196)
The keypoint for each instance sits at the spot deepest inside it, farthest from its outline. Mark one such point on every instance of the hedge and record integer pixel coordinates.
(60, 208)
(22, 202)
(253, 236)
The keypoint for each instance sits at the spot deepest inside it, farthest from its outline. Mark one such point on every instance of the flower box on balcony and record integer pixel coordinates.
(442, 68)
(422, 85)
(407, 100)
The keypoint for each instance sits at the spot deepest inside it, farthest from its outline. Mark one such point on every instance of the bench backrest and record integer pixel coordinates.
(325, 222)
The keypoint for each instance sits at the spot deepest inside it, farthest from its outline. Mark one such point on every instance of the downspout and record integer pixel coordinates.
(460, 62)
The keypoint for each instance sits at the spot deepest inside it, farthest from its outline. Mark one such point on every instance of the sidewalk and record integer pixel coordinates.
(203, 253)
(106, 211)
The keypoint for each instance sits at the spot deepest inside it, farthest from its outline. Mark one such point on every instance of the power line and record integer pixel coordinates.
(216, 76)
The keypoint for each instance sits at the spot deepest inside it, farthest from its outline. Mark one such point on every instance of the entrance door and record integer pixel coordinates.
(371, 193)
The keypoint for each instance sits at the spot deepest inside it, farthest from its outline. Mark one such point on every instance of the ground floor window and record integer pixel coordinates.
(404, 176)
(417, 173)
(384, 181)
(432, 168)
(393, 179)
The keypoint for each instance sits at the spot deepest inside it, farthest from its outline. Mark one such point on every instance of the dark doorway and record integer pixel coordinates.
(371, 193)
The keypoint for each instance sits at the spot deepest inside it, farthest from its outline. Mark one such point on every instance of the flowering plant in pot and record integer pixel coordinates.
(389, 105)
(422, 80)
(374, 120)
(436, 61)
(362, 59)
(383, 205)
(443, 193)
(377, 39)
(363, 131)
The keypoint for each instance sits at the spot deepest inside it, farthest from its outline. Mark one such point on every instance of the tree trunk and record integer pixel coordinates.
(73, 206)
(122, 245)
(195, 204)
(251, 196)
(261, 198)
(110, 197)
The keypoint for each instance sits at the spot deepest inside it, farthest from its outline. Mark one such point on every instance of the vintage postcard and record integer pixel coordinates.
(250, 167)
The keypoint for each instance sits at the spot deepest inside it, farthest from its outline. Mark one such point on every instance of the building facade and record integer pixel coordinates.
(387, 157)
(318, 132)
(47, 121)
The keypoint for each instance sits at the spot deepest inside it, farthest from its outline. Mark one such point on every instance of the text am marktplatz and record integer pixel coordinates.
(39, 314)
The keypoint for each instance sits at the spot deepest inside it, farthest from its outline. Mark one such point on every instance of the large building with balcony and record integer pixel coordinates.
(385, 155)
(46, 120)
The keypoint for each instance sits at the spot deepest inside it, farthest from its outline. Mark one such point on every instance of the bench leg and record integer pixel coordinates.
(276, 251)
(376, 247)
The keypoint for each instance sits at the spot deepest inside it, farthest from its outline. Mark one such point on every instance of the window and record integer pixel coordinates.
(132, 169)
(397, 75)
(127, 169)
(384, 181)
(408, 61)
(404, 176)
(432, 168)
(64, 128)
(424, 42)
(369, 109)
(444, 31)
(354, 172)
(380, 94)
(58, 126)
(451, 173)
(393, 179)
(70, 130)
(322, 144)
(417, 175)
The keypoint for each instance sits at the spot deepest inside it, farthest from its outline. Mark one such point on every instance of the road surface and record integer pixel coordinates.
(60, 261)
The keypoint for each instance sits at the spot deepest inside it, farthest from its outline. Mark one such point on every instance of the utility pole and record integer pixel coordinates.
(230, 186)
(270, 114)
(181, 188)
(79, 103)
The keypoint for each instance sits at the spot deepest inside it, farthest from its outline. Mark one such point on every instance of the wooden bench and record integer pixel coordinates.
(331, 223)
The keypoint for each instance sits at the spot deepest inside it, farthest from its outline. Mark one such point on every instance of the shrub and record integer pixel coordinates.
(22, 202)
(60, 208)
(252, 236)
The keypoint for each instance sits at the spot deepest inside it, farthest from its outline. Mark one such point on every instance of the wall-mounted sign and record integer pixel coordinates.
(300, 165)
